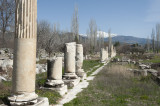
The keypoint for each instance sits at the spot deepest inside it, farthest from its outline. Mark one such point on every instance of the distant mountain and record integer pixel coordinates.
(128, 39)
(100, 33)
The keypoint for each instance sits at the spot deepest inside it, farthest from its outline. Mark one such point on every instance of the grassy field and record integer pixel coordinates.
(114, 86)
(154, 59)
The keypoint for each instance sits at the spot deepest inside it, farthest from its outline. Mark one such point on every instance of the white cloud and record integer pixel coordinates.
(153, 13)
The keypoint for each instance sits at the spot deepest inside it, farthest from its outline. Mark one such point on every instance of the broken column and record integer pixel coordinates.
(79, 61)
(24, 66)
(70, 78)
(54, 76)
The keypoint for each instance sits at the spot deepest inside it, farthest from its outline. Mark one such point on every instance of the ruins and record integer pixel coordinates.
(70, 78)
(54, 76)
(79, 61)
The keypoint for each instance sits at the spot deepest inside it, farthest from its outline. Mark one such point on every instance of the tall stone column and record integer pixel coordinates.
(24, 66)
(79, 61)
(70, 76)
(54, 76)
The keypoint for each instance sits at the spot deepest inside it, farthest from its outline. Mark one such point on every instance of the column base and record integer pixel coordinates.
(68, 76)
(81, 74)
(41, 101)
(103, 61)
(56, 85)
(61, 90)
(71, 79)
(25, 99)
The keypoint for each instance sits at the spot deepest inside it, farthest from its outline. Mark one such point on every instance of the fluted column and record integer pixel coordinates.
(24, 65)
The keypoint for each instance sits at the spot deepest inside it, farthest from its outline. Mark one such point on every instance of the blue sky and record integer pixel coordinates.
(124, 17)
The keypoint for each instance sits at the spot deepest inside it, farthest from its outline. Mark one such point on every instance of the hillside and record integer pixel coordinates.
(128, 39)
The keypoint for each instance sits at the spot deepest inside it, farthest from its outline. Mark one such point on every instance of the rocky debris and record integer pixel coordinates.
(2, 52)
(138, 72)
(143, 66)
(6, 53)
(40, 68)
(152, 71)
(2, 79)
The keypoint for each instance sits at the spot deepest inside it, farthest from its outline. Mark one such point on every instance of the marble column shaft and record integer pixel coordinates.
(25, 47)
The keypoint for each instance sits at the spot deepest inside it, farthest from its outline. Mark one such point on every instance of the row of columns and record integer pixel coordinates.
(104, 53)
(73, 72)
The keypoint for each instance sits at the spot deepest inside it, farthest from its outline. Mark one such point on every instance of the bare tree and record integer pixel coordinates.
(75, 25)
(48, 37)
(7, 10)
(101, 40)
(93, 34)
(153, 40)
(148, 44)
(109, 40)
(157, 36)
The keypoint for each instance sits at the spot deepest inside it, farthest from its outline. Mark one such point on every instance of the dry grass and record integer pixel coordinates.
(120, 71)
(114, 86)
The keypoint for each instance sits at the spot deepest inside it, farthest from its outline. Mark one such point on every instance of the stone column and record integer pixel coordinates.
(54, 69)
(24, 66)
(79, 61)
(54, 76)
(103, 55)
(69, 59)
(70, 65)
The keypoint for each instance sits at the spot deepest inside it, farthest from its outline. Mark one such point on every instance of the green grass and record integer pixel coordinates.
(155, 59)
(94, 69)
(113, 86)
(5, 89)
(41, 79)
(89, 66)
(118, 56)
(52, 96)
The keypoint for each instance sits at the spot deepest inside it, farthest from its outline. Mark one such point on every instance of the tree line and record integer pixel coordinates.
(49, 36)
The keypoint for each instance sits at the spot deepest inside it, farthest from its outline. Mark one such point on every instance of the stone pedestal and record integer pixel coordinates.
(79, 61)
(70, 65)
(24, 66)
(40, 101)
(54, 76)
